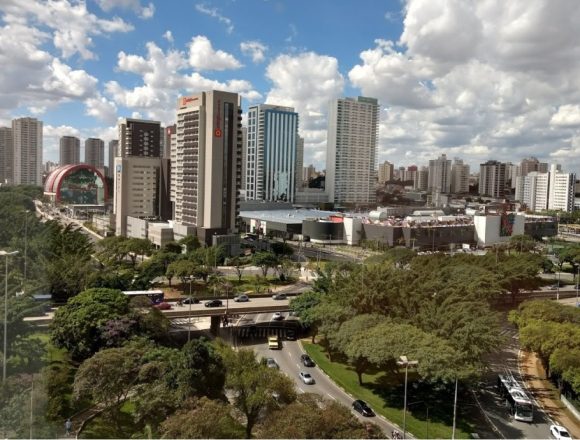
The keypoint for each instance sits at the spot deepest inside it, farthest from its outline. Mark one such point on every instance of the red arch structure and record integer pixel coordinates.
(54, 181)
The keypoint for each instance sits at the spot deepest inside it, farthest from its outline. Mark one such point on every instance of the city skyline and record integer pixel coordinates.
(495, 93)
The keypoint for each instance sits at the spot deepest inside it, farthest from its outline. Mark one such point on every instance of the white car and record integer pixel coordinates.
(306, 378)
(277, 316)
(559, 432)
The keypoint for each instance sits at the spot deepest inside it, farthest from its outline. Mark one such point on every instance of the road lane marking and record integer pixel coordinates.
(301, 390)
(331, 396)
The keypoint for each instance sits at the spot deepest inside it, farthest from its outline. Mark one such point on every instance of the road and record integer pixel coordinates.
(493, 405)
(288, 358)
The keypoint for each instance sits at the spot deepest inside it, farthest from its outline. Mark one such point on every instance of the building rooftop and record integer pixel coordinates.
(287, 216)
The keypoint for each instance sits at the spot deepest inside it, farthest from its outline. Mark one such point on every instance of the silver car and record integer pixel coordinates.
(241, 298)
(271, 363)
(306, 378)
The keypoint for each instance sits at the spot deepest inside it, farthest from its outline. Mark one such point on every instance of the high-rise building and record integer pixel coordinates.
(352, 150)
(421, 181)
(561, 190)
(385, 172)
(271, 153)
(440, 175)
(70, 150)
(206, 172)
(142, 176)
(95, 153)
(138, 190)
(308, 173)
(492, 179)
(6, 156)
(532, 164)
(113, 151)
(298, 182)
(168, 134)
(459, 177)
(535, 190)
(27, 159)
(244, 160)
(138, 137)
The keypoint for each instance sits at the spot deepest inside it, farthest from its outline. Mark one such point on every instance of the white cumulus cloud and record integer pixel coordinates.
(202, 56)
(254, 49)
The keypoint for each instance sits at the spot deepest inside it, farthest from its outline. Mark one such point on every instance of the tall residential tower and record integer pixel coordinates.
(27, 159)
(352, 150)
(69, 151)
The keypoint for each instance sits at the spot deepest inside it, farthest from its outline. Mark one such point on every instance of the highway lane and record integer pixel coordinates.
(494, 406)
(288, 358)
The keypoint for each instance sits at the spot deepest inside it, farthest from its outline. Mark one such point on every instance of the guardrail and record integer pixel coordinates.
(220, 311)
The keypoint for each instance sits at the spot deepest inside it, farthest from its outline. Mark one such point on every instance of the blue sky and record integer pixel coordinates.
(472, 79)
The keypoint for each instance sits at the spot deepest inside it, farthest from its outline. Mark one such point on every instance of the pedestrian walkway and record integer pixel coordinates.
(546, 394)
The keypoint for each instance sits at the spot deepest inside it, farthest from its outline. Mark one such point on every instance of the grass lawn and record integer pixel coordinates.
(384, 393)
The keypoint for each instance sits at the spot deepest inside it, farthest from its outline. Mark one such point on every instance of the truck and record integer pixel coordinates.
(274, 343)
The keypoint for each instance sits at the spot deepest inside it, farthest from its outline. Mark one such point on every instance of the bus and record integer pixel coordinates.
(521, 406)
(156, 296)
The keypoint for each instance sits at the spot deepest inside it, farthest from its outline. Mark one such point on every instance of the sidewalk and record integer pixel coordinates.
(546, 394)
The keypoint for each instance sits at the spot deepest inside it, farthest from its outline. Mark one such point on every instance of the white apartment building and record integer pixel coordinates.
(562, 191)
(136, 190)
(206, 162)
(535, 190)
(459, 177)
(421, 181)
(439, 175)
(271, 153)
(27, 151)
(352, 150)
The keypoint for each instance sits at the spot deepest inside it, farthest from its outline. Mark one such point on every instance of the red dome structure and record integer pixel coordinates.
(78, 184)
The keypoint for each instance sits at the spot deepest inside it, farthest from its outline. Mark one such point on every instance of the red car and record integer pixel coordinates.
(163, 306)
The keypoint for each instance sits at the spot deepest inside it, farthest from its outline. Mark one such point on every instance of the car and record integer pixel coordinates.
(241, 298)
(163, 306)
(277, 316)
(307, 360)
(290, 335)
(190, 300)
(306, 378)
(558, 432)
(361, 407)
(271, 363)
(278, 296)
(214, 303)
(553, 287)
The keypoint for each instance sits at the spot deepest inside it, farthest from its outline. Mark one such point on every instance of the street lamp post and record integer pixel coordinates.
(454, 411)
(558, 288)
(406, 362)
(25, 249)
(5, 254)
(189, 316)
(577, 281)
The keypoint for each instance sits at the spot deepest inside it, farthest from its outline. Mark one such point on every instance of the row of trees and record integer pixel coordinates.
(435, 309)
(552, 330)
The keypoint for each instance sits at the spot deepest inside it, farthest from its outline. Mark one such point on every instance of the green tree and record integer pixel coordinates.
(311, 416)
(109, 376)
(77, 325)
(191, 242)
(522, 243)
(281, 249)
(138, 247)
(304, 306)
(238, 265)
(265, 260)
(182, 269)
(204, 418)
(256, 389)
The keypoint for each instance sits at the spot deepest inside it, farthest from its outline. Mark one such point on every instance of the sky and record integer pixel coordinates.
(475, 79)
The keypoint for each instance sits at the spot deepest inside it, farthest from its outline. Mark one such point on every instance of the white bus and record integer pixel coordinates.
(521, 406)
(156, 296)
